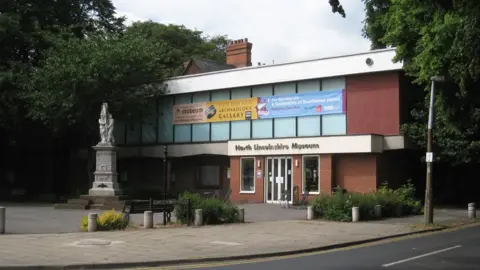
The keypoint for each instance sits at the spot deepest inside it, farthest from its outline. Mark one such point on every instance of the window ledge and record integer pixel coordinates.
(312, 193)
(247, 192)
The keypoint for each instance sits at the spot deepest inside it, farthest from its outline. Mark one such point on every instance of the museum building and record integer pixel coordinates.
(261, 132)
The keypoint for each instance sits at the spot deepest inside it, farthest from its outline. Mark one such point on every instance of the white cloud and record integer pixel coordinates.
(280, 30)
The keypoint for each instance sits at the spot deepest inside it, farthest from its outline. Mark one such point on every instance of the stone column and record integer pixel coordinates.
(105, 182)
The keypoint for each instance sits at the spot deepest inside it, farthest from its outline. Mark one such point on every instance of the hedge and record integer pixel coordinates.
(398, 202)
(215, 211)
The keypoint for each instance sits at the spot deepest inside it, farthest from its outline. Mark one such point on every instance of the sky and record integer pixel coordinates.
(280, 30)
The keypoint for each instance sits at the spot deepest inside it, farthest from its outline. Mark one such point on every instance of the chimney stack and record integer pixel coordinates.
(239, 53)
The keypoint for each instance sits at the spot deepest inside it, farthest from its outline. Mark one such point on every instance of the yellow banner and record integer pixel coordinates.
(215, 111)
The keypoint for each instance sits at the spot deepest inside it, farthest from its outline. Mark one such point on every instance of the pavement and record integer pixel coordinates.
(176, 245)
(164, 246)
(43, 218)
(457, 249)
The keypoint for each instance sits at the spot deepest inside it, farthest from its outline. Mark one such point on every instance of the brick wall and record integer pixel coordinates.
(236, 196)
(356, 172)
(373, 104)
(259, 197)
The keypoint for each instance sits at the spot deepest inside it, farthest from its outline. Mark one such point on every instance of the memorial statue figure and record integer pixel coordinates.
(106, 125)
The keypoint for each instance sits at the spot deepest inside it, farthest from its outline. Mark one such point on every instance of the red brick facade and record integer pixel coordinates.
(353, 172)
(373, 104)
(373, 107)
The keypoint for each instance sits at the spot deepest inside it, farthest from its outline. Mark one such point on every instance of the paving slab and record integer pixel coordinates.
(176, 244)
(43, 218)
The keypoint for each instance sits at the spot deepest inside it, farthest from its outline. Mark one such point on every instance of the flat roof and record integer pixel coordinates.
(336, 66)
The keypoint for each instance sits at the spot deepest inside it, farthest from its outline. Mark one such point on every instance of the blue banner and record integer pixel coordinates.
(305, 104)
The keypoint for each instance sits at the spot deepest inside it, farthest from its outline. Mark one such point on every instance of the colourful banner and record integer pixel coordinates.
(215, 111)
(305, 104)
(291, 105)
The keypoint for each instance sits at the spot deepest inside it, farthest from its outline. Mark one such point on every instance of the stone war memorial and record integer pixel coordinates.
(105, 193)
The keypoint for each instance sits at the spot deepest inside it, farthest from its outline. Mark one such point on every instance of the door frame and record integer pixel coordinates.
(266, 180)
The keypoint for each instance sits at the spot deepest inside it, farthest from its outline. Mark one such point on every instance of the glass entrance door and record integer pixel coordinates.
(278, 179)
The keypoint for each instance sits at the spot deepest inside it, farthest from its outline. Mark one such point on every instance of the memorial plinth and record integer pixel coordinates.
(105, 181)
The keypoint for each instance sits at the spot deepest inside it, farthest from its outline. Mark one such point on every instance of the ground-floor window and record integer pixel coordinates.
(311, 176)
(247, 175)
(208, 176)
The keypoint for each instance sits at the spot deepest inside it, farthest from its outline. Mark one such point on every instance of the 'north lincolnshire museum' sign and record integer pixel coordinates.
(307, 146)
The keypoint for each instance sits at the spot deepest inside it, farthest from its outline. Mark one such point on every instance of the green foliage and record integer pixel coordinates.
(79, 74)
(59, 61)
(84, 223)
(338, 207)
(215, 211)
(106, 221)
(435, 38)
(196, 202)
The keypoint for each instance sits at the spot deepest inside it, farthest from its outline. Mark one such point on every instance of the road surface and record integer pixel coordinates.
(457, 249)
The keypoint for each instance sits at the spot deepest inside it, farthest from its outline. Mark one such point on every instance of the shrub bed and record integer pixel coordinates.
(215, 211)
(107, 221)
(398, 202)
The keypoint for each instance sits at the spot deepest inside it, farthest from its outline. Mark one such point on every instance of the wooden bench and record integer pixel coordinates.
(156, 206)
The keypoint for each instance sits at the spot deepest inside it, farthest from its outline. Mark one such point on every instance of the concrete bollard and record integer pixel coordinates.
(378, 211)
(310, 212)
(241, 215)
(355, 214)
(198, 217)
(92, 222)
(147, 219)
(472, 212)
(2, 219)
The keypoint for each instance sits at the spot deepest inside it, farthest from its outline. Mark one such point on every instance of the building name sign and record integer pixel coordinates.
(306, 146)
(275, 147)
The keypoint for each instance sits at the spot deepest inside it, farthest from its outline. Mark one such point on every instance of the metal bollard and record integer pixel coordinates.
(355, 214)
(241, 215)
(309, 212)
(147, 219)
(92, 222)
(198, 217)
(378, 211)
(472, 212)
(2, 219)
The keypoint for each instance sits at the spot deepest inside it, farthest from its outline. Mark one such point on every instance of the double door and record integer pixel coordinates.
(278, 179)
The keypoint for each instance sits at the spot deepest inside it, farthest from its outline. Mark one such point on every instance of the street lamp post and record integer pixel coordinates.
(428, 211)
(165, 176)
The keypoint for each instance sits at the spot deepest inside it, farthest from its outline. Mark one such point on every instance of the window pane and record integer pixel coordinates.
(209, 176)
(201, 132)
(334, 124)
(220, 131)
(183, 132)
(308, 86)
(133, 133)
(119, 132)
(311, 174)
(285, 127)
(165, 118)
(247, 174)
(240, 129)
(308, 125)
(149, 125)
(262, 128)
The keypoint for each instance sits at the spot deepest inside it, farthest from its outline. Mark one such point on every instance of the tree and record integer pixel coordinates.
(436, 37)
(78, 75)
(183, 42)
(28, 30)
(121, 68)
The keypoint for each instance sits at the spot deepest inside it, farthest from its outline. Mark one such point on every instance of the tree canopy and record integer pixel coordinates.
(59, 61)
(435, 37)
